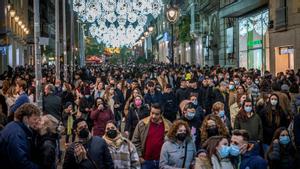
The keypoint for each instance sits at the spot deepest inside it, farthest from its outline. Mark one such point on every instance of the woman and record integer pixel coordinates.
(137, 111)
(232, 93)
(235, 108)
(273, 117)
(99, 90)
(179, 150)
(281, 153)
(218, 148)
(122, 151)
(218, 110)
(247, 119)
(100, 116)
(212, 126)
(130, 100)
(11, 97)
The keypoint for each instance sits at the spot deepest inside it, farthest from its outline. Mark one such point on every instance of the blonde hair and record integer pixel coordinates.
(217, 106)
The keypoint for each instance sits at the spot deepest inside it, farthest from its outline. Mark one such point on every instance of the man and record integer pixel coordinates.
(90, 152)
(148, 137)
(182, 92)
(16, 139)
(169, 104)
(221, 94)
(153, 96)
(51, 102)
(23, 98)
(206, 95)
(246, 153)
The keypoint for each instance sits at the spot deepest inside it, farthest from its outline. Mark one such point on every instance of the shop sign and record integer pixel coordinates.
(255, 42)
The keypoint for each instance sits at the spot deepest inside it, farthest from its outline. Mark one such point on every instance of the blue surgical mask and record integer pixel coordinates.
(190, 115)
(221, 113)
(234, 150)
(284, 140)
(231, 87)
(248, 109)
(195, 102)
(224, 151)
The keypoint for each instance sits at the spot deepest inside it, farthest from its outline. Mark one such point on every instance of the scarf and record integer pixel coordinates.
(116, 142)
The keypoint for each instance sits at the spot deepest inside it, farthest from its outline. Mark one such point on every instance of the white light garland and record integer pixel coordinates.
(117, 23)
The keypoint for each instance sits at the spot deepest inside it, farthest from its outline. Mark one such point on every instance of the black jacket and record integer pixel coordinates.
(97, 152)
(170, 106)
(134, 115)
(46, 151)
(52, 106)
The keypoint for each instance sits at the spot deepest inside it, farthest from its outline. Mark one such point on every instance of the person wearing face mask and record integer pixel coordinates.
(218, 110)
(67, 95)
(245, 153)
(235, 108)
(212, 126)
(194, 120)
(137, 111)
(272, 117)
(89, 152)
(123, 152)
(17, 138)
(281, 153)
(199, 110)
(248, 120)
(217, 148)
(179, 150)
(232, 93)
(221, 95)
(100, 115)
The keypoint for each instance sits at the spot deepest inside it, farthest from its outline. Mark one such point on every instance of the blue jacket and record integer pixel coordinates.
(23, 98)
(156, 98)
(252, 160)
(15, 147)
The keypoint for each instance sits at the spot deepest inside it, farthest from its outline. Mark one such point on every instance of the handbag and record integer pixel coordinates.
(185, 153)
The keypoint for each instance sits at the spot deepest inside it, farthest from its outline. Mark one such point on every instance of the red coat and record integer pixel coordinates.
(100, 118)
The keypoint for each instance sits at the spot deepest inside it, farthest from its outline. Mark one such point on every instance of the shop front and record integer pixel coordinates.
(254, 41)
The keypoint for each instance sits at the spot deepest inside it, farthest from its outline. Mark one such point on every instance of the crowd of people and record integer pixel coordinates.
(154, 116)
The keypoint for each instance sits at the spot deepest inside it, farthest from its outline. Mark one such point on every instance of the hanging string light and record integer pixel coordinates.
(117, 22)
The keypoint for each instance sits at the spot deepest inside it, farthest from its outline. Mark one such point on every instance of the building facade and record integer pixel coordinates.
(284, 32)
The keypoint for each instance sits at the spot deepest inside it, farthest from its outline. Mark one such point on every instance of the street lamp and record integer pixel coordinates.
(172, 14)
(12, 13)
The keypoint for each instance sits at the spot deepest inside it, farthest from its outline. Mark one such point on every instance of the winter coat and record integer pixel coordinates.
(100, 118)
(67, 97)
(295, 104)
(16, 144)
(155, 98)
(284, 102)
(207, 99)
(52, 106)
(98, 154)
(141, 132)
(234, 111)
(134, 116)
(172, 154)
(46, 150)
(181, 94)
(270, 128)
(170, 106)
(218, 163)
(282, 157)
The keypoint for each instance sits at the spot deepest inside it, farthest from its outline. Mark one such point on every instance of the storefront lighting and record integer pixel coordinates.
(27, 32)
(20, 23)
(23, 26)
(146, 34)
(12, 13)
(172, 14)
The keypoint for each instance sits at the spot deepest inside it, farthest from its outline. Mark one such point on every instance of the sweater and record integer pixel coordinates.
(253, 125)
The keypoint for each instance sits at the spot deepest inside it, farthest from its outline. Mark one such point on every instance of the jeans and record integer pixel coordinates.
(150, 164)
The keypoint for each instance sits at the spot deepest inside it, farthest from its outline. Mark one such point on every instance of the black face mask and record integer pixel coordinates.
(212, 132)
(84, 133)
(112, 134)
(181, 136)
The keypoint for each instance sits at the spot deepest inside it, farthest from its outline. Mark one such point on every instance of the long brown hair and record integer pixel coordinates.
(173, 130)
(269, 111)
(211, 145)
(220, 125)
(242, 115)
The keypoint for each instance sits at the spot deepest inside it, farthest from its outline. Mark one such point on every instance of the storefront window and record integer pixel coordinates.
(253, 41)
